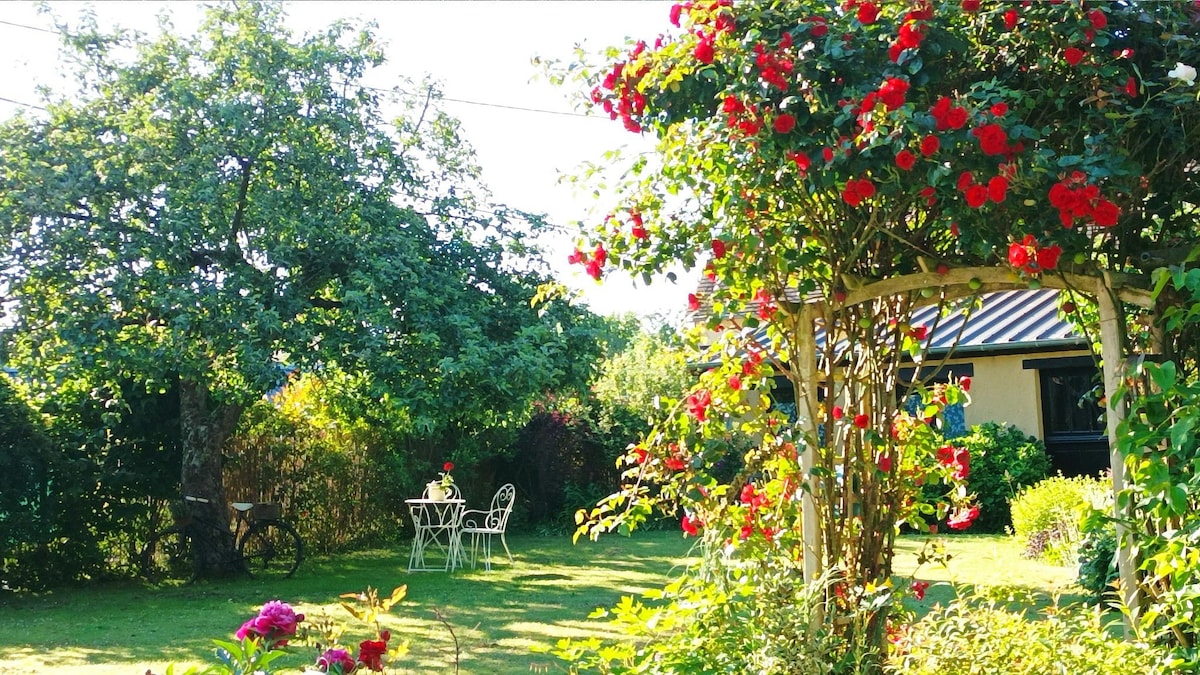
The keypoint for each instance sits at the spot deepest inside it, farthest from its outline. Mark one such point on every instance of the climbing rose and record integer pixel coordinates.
(919, 587)
(861, 420)
(1073, 55)
(970, 5)
(905, 159)
(837, 412)
(718, 248)
(784, 123)
(930, 145)
(1097, 18)
(704, 52)
(964, 383)
(997, 188)
(868, 13)
(999, 109)
(977, 196)
(1018, 255)
(819, 26)
(698, 404)
(1010, 19)
(962, 518)
(690, 525)
(693, 302)
(1047, 258)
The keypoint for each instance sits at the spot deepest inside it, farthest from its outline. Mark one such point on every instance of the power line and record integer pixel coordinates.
(503, 106)
(27, 105)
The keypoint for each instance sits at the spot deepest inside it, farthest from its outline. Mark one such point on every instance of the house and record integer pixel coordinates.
(1028, 366)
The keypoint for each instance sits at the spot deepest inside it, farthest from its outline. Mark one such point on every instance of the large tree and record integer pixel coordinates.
(210, 210)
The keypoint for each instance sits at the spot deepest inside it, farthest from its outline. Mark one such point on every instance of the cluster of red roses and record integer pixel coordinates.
(1075, 198)
(623, 87)
(1030, 258)
(958, 459)
(861, 420)
(594, 264)
(775, 66)
(756, 501)
(912, 31)
(698, 404)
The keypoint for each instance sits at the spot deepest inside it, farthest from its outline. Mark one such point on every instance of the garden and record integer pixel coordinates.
(226, 278)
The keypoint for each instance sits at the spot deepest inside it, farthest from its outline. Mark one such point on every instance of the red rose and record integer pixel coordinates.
(693, 302)
(819, 26)
(1106, 213)
(827, 154)
(1073, 55)
(967, 6)
(977, 196)
(698, 404)
(885, 463)
(802, 161)
(704, 51)
(964, 383)
(731, 104)
(892, 93)
(640, 454)
(1047, 258)
(905, 159)
(600, 255)
(784, 123)
(1097, 18)
(735, 383)
(919, 587)
(919, 332)
(690, 525)
(956, 118)
(1018, 255)
(1010, 19)
(965, 180)
(371, 652)
(837, 413)
(862, 420)
(674, 463)
(868, 13)
(992, 139)
(999, 109)
(1131, 87)
(963, 518)
(930, 145)
(718, 248)
(997, 189)
(448, 466)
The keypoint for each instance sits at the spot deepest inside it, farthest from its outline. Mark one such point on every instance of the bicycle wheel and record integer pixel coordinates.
(168, 555)
(271, 549)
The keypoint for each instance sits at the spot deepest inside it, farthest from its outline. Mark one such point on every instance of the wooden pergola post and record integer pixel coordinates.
(1112, 349)
(806, 362)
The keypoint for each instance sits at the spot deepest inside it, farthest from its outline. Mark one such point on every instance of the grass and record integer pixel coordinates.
(497, 616)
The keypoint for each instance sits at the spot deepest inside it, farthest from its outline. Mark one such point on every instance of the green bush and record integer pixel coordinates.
(1047, 517)
(999, 633)
(1098, 551)
(1003, 461)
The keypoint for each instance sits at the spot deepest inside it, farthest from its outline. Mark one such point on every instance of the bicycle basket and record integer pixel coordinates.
(266, 511)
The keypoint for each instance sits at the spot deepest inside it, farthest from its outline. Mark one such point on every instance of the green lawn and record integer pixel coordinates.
(546, 595)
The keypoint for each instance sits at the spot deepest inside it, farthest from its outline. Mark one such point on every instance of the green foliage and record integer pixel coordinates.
(1048, 516)
(1004, 460)
(994, 631)
(734, 620)
(1098, 554)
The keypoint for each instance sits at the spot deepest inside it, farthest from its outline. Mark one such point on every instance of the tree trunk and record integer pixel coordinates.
(205, 425)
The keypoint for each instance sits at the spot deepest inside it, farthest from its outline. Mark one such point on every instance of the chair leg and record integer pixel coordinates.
(487, 552)
(502, 541)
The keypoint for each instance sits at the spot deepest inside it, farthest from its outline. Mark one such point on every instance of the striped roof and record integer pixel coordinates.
(1005, 321)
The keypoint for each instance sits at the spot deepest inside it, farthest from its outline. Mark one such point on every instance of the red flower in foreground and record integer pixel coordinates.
(640, 455)
(905, 159)
(1097, 18)
(704, 51)
(862, 420)
(962, 518)
(919, 587)
(784, 123)
(370, 654)
(1073, 55)
(1010, 19)
(819, 26)
(690, 525)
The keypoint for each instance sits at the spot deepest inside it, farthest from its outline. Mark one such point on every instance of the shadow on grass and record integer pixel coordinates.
(544, 595)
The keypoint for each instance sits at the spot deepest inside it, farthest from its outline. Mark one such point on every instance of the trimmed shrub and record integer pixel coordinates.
(1004, 460)
(996, 632)
(1048, 516)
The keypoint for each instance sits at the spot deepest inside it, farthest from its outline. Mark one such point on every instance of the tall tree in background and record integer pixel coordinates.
(214, 207)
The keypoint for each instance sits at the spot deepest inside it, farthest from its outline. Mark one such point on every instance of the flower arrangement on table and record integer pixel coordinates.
(440, 489)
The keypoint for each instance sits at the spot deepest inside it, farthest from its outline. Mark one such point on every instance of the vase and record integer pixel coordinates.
(435, 491)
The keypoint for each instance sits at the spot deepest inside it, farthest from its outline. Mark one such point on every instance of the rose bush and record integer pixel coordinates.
(830, 167)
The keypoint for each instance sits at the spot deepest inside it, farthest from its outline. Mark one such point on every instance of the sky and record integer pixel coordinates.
(480, 53)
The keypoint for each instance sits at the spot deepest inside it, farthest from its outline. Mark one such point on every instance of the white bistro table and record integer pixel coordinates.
(438, 523)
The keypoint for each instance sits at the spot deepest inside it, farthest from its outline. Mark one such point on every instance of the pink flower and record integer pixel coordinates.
(275, 623)
(336, 657)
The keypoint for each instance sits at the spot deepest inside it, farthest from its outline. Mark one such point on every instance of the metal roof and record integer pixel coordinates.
(1006, 320)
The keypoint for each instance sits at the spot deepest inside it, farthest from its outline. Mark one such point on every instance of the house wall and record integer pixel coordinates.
(1003, 391)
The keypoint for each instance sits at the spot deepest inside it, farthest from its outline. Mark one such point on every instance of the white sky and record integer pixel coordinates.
(478, 51)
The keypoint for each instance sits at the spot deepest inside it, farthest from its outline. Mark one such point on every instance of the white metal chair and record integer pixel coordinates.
(484, 524)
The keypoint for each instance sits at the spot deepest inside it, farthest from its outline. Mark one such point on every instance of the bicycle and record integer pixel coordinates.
(264, 544)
